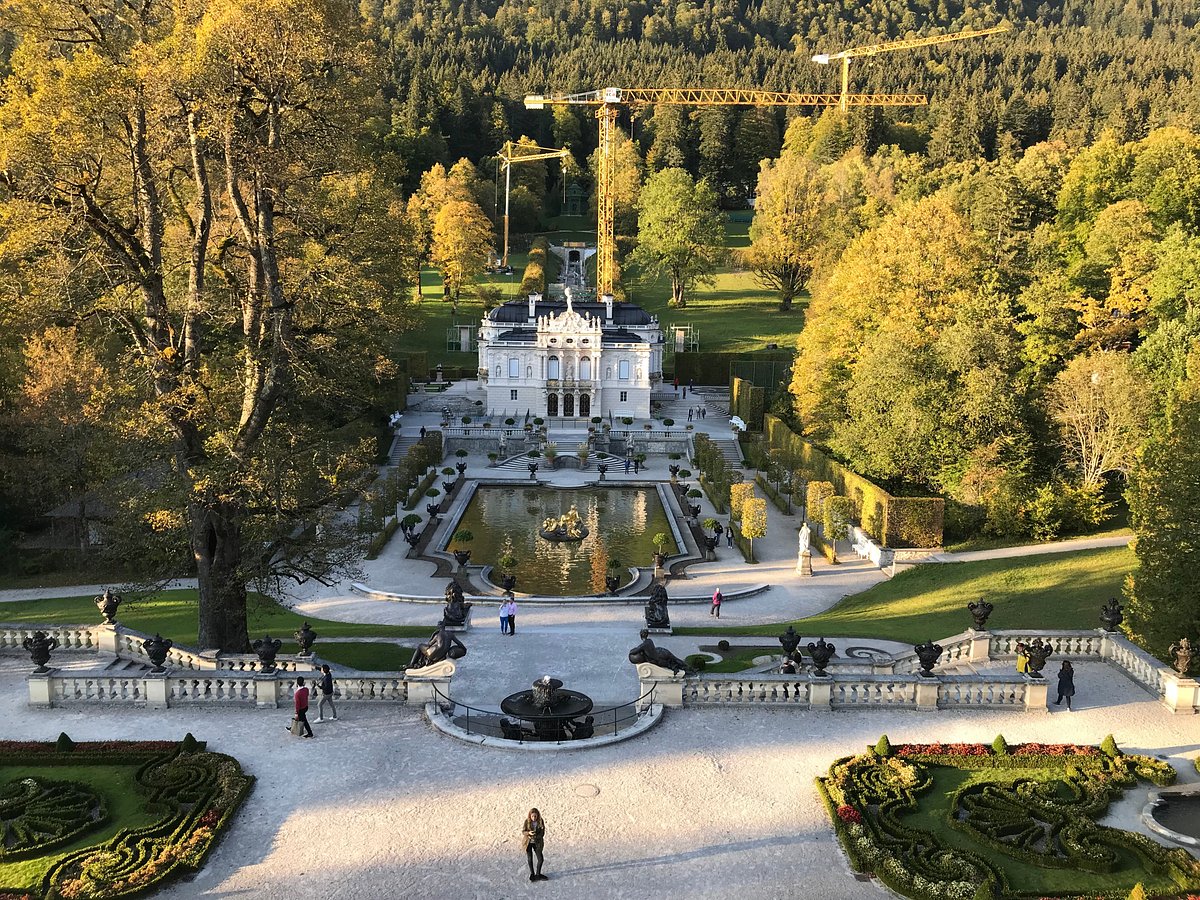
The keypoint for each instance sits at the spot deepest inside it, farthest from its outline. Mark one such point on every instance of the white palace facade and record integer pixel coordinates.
(559, 358)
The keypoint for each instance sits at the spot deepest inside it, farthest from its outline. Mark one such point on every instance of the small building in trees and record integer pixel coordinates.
(561, 358)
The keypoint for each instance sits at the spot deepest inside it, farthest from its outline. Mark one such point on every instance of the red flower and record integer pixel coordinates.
(849, 814)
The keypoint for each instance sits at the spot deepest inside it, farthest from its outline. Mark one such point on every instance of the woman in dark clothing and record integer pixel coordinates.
(533, 836)
(1066, 684)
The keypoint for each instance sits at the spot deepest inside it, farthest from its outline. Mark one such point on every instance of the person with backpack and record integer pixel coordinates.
(326, 687)
(716, 603)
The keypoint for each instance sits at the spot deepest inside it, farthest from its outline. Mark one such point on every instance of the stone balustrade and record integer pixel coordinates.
(70, 637)
(266, 690)
(1066, 644)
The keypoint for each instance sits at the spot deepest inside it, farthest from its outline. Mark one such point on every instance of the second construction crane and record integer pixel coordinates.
(520, 153)
(608, 102)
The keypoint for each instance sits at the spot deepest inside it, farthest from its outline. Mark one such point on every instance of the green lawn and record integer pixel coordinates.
(369, 656)
(733, 314)
(123, 798)
(173, 614)
(735, 659)
(1054, 590)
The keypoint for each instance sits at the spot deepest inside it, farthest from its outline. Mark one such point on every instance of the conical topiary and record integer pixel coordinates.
(64, 744)
(1000, 746)
(883, 747)
(1109, 747)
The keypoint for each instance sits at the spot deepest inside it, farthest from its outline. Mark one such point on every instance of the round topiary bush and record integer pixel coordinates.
(466, 420)
(722, 645)
(433, 492)
(447, 471)
(510, 421)
(668, 422)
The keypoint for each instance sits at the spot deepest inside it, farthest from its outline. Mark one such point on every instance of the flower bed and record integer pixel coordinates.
(186, 796)
(972, 821)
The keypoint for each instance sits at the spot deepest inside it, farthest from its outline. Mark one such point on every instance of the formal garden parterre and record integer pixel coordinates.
(972, 821)
(110, 819)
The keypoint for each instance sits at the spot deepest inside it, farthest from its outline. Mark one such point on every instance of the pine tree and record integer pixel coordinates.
(1164, 503)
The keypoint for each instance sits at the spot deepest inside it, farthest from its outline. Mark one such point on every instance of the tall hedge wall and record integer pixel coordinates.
(533, 279)
(716, 368)
(895, 521)
(747, 401)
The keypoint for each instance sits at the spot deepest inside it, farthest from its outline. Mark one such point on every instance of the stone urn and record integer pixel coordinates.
(674, 470)
(463, 557)
(533, 470)
(267, 648)
(107, 603)
(39, 647)
(821, 652)
(710, 548)
(980, 610)
(462, 468)
(1038, 653)
(305, 637)
(790, 641)
(603, 470)
(1181, 656)
(1111, 615)
(695, 509)
(928, 654)
(448, 487)
(156, 649)
(612, 581)
(432, 509)
(508, 582)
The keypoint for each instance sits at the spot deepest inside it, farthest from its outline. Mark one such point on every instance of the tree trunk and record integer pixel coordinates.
(677, 294)
(785, 300)
(217, 545)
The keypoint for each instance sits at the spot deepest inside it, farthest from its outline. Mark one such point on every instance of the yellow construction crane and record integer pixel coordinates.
(845, 56)
(518, 153)
(609, 100)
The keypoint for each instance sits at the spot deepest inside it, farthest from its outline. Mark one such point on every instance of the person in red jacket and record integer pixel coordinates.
(301, 702)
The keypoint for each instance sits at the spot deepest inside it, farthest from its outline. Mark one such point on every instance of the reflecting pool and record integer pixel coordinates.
(621, 522)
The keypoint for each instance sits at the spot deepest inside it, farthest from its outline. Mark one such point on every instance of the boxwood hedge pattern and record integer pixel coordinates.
(1045, 820)
(197, 793)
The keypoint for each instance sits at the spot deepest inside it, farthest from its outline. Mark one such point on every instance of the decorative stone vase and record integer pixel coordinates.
(432, 509)
(267, 648)
(156, 649)
(928, 654)
(710, 548)
(979, 613)
(107, 603)
(533, 469)
(39, 647)
(695, 509)
(1111, 615)
(612, 583)
(674, 470)
(463, 556)
(659, 559)
(305, 637)
(448, 487)
(603, 470)
(789, 641)
(1181, 656)
(821, 652)
(462, 467)
(509, 582)
(1038, 653)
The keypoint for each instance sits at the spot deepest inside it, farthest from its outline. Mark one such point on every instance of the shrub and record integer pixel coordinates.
(697, 661)
(738, 495)
(64, 744)
(463, 536)
(722, 645)
(461, 454)
(466, 420)
(510, 421)
(837, 515)
(627, 420)
(433, 492)
(1000, 746)
(447, 470)
(539, 421)
(693, 493)
(883, 747)
(709, 524)
(685, 473)
(818, 492)
(1109, 747)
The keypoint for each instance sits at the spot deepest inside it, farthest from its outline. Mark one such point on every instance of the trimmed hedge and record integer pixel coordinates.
(533, 279)
(1033, 819)
(896, 521)
(716, 367)
(194, 794)
(748, 402)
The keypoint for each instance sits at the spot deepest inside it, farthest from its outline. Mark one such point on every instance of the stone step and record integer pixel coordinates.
(731, 451)
(400, 447)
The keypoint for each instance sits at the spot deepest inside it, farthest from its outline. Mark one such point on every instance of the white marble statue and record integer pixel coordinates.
(805, 539)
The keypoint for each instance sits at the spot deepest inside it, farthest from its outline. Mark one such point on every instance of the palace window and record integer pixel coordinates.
(512, 395)
(624, 396)
(585, 369)
(552, 368)
(514, 367)
(623, 370)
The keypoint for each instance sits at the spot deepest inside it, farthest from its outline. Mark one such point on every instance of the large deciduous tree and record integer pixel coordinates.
(679, 231)
(462, 241)
(1164, 503)
(201, 168)
(786, 235)
(1101, 407)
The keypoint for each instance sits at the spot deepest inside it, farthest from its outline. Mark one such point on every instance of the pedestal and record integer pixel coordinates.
(266, 690)
(820, 693)
(1035, 694)
(927, 693)
(154, 686)
(425, 683)
(463, 627)
(668, 687)
(108, 639)
(804, 565)
(41, 688)
(1180, 695)
(667, 630)
(981, 643)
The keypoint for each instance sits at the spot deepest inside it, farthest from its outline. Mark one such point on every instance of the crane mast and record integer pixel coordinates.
(517, 153)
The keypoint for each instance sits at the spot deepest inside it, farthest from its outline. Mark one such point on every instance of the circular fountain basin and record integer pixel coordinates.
(550, 719)
(1175, 815)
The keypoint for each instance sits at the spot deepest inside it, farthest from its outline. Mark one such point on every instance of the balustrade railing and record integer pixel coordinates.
(957, 691)
(70, 637)
(212, 689)
(1066, 644)
(759, 690)
(880, 690)
(98, 688)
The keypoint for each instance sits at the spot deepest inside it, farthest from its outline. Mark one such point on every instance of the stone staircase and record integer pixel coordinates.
(731, 451)
(520, 462)
(400, 445)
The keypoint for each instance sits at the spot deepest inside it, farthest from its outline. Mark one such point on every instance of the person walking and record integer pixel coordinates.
(716, 603)
(422, 432)
(627, 465)
(300, 704)
(704, 412)
(729, 533)
(690, 412)
(512, 614)
(1066, 685)
(326, 687)
(533, 838)
(504, 616)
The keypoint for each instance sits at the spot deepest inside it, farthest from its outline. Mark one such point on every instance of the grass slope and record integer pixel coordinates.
(174, 614)
(1054, 590)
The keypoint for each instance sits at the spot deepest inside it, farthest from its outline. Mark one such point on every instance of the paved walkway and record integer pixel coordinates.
(713, 804)
(1071, 546)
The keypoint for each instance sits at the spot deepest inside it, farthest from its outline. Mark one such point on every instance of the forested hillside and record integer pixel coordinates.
(1066, 70)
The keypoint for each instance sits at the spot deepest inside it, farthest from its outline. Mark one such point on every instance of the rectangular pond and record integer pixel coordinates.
(621, 523)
